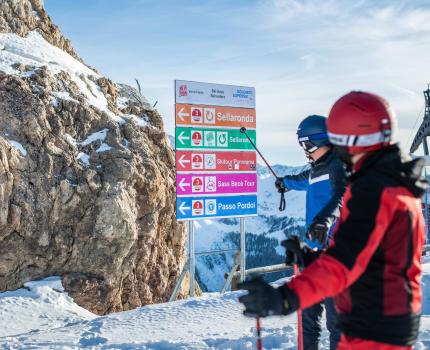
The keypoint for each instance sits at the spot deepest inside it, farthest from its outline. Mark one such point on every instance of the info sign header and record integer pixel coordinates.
(193, 92)
(215, 163)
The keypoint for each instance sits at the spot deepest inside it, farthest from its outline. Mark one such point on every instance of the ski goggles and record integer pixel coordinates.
(308, 146)
(307, 142)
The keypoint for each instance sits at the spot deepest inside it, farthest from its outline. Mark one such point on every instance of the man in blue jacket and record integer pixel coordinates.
(324, 183)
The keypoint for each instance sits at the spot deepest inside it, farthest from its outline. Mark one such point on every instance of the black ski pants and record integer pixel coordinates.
(312, 324)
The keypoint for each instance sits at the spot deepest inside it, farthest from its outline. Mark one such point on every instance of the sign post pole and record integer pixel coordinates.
(192, 256)
(242, 250)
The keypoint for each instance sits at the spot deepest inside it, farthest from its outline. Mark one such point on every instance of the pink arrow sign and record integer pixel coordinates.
(187, 184)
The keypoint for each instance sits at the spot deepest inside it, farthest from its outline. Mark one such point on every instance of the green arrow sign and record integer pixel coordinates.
(213, 138)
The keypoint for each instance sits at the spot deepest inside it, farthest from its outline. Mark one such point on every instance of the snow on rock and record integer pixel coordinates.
(95, 136)
(122, 102)
(141, 121)
(18, 146)
(84, 158)
(33, 50)
(61, 95)
(103, 148)
(71, 140)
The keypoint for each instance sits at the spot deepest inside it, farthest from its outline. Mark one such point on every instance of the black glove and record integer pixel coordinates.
(318, 231)
(294, 252)
(264, 300)
(279, 184)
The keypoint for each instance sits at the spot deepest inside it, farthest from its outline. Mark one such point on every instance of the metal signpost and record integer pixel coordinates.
(215, 163)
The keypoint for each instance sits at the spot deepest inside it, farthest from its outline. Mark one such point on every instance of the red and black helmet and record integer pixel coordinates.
(361, 122)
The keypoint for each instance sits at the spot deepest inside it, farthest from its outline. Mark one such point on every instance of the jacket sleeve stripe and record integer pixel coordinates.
(319, 178)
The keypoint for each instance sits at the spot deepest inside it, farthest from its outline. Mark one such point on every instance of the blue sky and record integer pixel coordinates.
(300, 55)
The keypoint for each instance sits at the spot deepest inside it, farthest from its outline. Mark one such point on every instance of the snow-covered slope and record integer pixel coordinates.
(41, 305)
(264, 233)
(44, 318)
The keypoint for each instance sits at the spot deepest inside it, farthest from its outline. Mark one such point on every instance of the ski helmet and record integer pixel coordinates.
(360, 122)
(312, 133)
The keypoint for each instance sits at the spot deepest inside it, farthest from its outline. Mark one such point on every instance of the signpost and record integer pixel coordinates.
(215, 163)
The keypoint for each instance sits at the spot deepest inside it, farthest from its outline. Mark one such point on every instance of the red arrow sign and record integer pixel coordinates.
(215, 161)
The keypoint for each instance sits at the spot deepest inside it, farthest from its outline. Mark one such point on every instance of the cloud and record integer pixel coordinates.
(289, 10)
(376, 46)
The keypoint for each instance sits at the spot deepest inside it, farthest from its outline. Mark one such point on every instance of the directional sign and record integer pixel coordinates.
(215, 163)
(197, 161)
(214, 94)
(224, 139)
(237, 183)
(197, 115)
(193, 208)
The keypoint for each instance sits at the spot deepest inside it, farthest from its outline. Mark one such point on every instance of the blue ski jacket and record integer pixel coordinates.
(324, 184)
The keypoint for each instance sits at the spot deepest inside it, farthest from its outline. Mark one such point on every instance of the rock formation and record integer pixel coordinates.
(86, 174)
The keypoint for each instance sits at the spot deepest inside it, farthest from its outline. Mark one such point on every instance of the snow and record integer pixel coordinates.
(122, 102)
(33, 50)
(70, 140)
(95, 136)
(140, 121)
(36, 15)
(84, 158)
(43, 305)
(43, 316)
(61, 95)
(18, 146)
(103, 148)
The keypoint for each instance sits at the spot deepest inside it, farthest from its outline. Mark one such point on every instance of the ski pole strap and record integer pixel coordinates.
(282, 203)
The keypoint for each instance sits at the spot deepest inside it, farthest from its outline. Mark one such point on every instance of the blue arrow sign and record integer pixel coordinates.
(194, 208)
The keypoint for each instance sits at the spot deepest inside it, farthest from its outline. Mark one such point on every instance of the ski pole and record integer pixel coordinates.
(281, 191)
(259, 339)
(299, 316)
(243, 131)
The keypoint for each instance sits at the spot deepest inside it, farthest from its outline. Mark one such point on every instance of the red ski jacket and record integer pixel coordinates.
(373, 265)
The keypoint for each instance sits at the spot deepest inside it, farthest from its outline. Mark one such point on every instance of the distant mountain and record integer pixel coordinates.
(263, 233)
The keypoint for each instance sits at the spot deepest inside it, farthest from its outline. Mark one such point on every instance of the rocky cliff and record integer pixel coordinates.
(86, 174)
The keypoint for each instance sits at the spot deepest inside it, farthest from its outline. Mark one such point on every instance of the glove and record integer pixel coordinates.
(264, 300)
(279, 184)
(294, 251)
(318, 231)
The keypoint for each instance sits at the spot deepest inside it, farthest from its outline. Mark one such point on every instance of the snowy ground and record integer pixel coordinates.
(42, 316)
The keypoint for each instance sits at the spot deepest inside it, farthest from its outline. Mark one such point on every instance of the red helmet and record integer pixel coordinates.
(361, 122)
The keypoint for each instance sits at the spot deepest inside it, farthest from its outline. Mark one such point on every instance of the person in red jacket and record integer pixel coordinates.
(373, 264)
